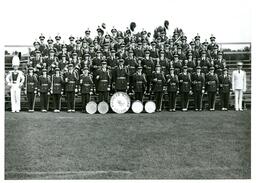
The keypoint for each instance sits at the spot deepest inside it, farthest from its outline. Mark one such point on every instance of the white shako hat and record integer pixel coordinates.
(15, 61)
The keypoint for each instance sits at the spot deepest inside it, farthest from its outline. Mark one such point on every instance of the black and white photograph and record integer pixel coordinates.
(127, 90)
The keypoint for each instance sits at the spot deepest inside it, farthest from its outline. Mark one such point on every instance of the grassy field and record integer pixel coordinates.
(191, 145)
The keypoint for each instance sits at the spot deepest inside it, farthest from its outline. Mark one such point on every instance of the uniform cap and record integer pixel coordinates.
(239, 63)
(31, 68)
(44, 70)
(104, 63)
(198, 67)
(70, 65)
(57, 69)
(139, 67)
(211, 68)
(71, 37)
(185, 67)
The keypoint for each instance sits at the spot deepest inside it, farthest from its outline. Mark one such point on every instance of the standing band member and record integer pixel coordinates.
(31, 88)
(57, 89)
(198, 83)
(158, 84)
(70, 79)
(239, 85)
(15, 80)
(103, 80)
(44, 86)
(121, 78)
(212, 84)
(225, 88)
(139, 82)
(185, 86)
(86, 87)
(172, 88)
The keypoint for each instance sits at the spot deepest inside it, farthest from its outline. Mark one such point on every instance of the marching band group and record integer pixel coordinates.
(129, 62)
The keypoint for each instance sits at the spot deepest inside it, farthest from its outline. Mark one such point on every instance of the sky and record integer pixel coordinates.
(229, 21)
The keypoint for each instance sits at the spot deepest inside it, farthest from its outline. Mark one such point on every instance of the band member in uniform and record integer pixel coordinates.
(148, 67)
(239, 85)
(15, 80)
(31, 88)
(212, 86)
(70, 79)
(44, 86)
(139, 84)
(172, 89)
(185, 88)
(198, 85)
(131, 64)
(121, 78)
(86, 87)
(57, 89)
(225, 89)
(158, 85)
(103, 82)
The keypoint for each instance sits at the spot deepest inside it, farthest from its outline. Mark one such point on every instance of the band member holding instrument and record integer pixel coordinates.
(121, 77)
(158, 84)
(57, 89)
(139, 84)
(172, 89)
(103, 82)
(212, 86)
(185, 88)
(198, 85)
(86, 88)
(31, 88)
(15, 80)
(70, 79)
(44, 86)
(225, 89)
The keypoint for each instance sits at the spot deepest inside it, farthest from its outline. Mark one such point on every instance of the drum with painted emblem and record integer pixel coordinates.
(103, 107)
(91, 107)
(137, 106)
(150, 106)
(120, 102)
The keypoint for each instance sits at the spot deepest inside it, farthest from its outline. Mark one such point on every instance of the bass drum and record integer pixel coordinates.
(150, 106)
(91, 107)
(137, 106)
(103, 107)
(120, 102)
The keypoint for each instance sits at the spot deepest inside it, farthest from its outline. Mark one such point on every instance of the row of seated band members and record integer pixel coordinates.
(130, 61)
(104, 81)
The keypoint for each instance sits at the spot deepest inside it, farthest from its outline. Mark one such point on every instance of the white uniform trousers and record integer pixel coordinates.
(15, 97)
(238, 99)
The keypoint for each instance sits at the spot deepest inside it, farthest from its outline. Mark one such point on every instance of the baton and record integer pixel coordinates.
(74, 103)
(161, 101)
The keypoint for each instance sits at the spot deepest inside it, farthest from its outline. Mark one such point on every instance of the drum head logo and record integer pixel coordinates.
(120, 102)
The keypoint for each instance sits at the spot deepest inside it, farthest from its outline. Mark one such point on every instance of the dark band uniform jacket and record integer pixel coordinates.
(44, 84)
(225, 83)
(212, 82)
(139, 82)
(185, 82)
(172, 83)
(86, 84)
(198, 82)
(158, 82)
(57, 84)
(31, 83)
